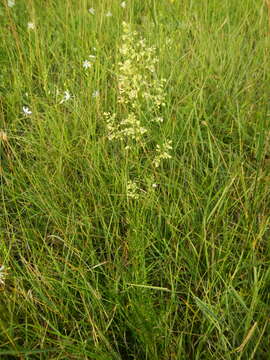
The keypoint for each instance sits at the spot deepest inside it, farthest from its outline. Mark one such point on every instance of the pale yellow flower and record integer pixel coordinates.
(132, 190)
(162, 152)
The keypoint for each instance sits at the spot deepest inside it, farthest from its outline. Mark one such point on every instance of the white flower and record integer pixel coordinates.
(26, 111)
(11, 3)
(92, 56)
(92, 11)
(123, 4)
(30, 26)
(95, 94)
(154, 185)
(109, 14)
(86, 64)
(66, 97)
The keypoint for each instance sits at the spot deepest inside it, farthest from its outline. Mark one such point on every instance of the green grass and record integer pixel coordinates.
(180, 273)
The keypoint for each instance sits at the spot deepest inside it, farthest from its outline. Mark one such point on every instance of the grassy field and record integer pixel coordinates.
(134, 177)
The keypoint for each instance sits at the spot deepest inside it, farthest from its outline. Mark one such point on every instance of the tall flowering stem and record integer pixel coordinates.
(140, 98)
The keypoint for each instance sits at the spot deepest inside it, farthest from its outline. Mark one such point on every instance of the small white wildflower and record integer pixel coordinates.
(95, 94)
(30, 26)
(123, 4)
(92, 56)
(67, 96)
(92, 11)
(11, 3)
(26, 111)
(87, 64)
(108, 14)
(3, 275)
(154, 185)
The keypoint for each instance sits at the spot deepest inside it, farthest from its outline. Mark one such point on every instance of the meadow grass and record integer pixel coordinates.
(179, 267)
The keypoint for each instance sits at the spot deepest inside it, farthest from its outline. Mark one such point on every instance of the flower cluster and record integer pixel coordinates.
(139, 89)
(162, 152)
(128, 128)
(138, 85)
(132, 190)
(140, 99)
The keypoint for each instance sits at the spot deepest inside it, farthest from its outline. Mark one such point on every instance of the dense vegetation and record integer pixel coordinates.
(134, 177)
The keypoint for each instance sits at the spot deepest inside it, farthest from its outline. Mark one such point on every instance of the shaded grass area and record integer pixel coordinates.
(181, 273)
